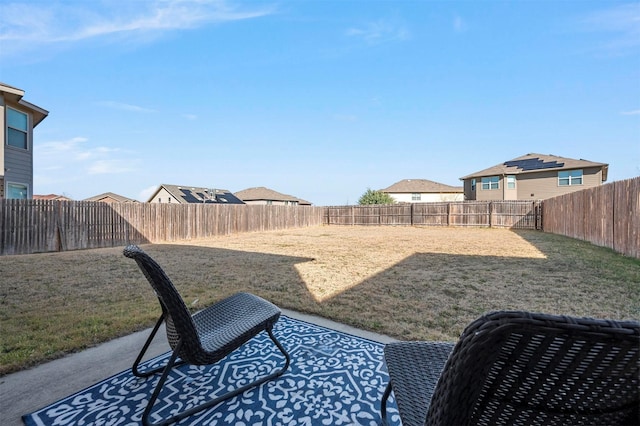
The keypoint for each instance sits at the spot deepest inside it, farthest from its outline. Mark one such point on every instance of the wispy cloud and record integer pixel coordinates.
(125, 107)
(75, 159)
(634, 112)
(376, 101)
(110, 166)
(33, 25)
(190, 117)
(621, 23)
(61, 146)
(380, 31)
(459, 24)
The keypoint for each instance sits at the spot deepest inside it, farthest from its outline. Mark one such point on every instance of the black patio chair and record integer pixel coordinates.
(520, 368)
(205, 337)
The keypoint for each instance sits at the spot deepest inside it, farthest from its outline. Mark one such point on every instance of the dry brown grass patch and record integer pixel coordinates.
(408, 282)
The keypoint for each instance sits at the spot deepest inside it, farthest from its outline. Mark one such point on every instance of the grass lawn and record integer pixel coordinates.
(407, 282)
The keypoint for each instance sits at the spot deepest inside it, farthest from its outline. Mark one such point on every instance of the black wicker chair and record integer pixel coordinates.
(520, 368)
(204, 338)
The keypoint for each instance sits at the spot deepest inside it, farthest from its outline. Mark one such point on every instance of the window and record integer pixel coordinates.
(490, 183)
(17, 128)
(570, 177)
(17, 190)
(511, 182)
(473, 184)
(415, 197)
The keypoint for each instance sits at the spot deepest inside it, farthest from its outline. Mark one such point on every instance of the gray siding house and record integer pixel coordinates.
(533, 177)
(17, 120)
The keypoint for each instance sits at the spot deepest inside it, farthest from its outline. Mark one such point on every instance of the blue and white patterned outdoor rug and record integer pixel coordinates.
(334, 379)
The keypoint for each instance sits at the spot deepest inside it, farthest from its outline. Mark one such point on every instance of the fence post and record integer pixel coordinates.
(613, 218)
(62, 244)
(490, 210)
(412, 212)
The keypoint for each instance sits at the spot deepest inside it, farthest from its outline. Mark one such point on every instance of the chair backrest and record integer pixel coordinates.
(178, 319)
(524, 368)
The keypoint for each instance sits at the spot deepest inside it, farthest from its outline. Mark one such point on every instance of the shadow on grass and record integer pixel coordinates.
(56, 303)
(431, 295)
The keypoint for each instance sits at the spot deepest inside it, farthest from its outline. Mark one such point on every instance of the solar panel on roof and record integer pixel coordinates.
(227, 197)
(529, 164)
(188, 196)
(232, 199)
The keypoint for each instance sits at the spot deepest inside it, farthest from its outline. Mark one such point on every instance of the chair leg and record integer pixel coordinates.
(134, 369)
(172, 362)
(156, 391)
(383, 404)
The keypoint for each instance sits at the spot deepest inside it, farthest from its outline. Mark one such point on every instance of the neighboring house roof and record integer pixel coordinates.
(111, 197)
(261, 193)
(191, 194)
(421, 186)
(531, 163)
(52, 197)
(302, 202)
(15, 95)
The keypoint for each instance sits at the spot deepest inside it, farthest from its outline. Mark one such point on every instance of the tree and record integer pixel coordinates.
(375, 197)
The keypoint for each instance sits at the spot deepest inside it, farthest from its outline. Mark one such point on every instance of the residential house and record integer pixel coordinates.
(17, 121)
(190, 194)
(423, 191)
(51, 197)
(262, 195)
(533, 177)
(110, 197)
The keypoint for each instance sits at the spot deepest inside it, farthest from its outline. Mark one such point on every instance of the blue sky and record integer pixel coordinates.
(318, 99)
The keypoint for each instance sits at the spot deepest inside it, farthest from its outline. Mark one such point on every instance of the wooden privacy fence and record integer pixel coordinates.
(32, 226)
(608, 216)
(500, 214)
